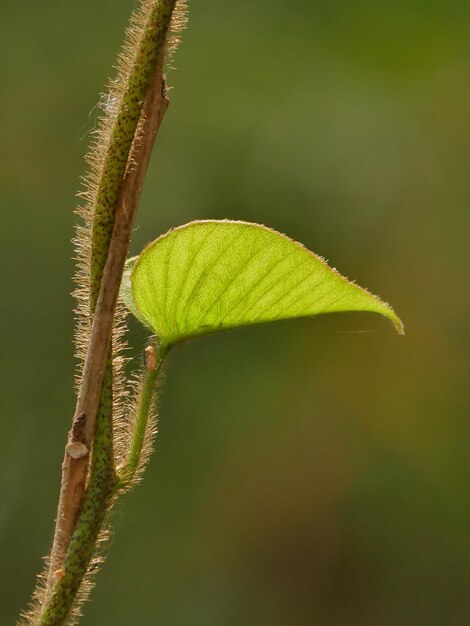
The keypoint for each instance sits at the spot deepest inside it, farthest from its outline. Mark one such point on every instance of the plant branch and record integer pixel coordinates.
(146, 396)
(74, 470)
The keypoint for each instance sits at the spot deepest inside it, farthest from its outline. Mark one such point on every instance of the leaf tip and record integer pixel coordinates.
(399, 326)
(393, 317)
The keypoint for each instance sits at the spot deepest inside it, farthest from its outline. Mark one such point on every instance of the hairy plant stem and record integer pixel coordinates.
(102, 488)
(98, 495)
(83, 504)
(152, 368)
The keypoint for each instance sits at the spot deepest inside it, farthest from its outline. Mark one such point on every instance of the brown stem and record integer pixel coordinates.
(76, 459)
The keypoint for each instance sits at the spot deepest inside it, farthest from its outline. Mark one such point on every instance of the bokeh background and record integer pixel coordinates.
(311, 472)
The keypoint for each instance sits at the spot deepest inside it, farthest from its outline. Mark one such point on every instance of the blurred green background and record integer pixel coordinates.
(311, 472)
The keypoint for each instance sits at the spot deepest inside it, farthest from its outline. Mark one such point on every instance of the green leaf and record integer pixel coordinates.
(126, 289)
(214, 275)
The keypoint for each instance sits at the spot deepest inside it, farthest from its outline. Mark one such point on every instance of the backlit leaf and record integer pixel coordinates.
(214, 275)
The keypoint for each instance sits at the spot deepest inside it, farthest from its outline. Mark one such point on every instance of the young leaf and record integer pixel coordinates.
(213, 275)
(126, 289)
